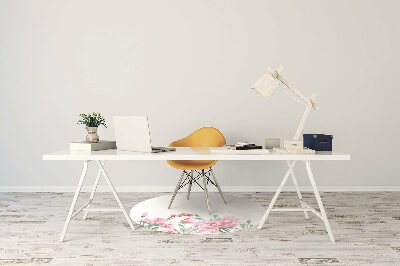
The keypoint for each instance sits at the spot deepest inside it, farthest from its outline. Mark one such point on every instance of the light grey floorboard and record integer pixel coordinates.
(366, 226)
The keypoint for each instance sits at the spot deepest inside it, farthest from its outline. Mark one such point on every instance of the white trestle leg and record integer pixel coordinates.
(71, 209)
(298, 191)
(305, 207)
(278, 191)
(320, 205)
(96, 182)
(128, 219)
(86, 207)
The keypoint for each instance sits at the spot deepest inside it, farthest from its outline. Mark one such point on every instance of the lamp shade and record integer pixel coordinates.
(267, 84)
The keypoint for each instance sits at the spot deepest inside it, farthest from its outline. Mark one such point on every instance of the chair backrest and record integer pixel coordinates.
(203, 137)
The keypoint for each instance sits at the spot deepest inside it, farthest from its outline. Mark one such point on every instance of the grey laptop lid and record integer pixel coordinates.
(132, 133)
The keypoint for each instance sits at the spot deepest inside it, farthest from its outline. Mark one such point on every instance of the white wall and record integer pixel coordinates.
(188, 64)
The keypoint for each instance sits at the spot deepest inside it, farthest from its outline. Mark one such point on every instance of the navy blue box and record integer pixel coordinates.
(318, 142)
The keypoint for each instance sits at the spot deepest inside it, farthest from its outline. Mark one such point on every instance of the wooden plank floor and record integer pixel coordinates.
(366, 226)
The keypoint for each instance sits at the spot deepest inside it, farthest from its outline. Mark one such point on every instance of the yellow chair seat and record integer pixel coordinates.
(191, 165)
(203, 137)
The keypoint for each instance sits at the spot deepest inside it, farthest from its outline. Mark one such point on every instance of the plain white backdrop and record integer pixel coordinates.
(188, 64)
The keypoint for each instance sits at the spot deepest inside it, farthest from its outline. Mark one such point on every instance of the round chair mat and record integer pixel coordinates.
(191, 216)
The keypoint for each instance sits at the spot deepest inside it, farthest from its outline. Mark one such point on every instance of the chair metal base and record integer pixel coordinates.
(188, 178)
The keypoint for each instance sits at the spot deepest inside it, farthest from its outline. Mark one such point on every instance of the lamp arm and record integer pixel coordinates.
(309, 102)
(297, 92)
(310, 105)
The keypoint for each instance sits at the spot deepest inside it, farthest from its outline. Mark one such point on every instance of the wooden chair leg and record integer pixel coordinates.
(206, 190)
(190, 184)
(176, 189)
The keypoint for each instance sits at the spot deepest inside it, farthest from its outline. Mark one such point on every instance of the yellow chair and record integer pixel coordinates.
(193, 170)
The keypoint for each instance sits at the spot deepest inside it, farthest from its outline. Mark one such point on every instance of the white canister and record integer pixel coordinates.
(271, 143)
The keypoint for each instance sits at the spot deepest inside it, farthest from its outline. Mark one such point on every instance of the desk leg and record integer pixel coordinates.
(96, 182)
(101, 168)
(320, 205)
(71, 209)
(278, 191)
(298, 191)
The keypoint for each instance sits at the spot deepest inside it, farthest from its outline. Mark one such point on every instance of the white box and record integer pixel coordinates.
(293, 144)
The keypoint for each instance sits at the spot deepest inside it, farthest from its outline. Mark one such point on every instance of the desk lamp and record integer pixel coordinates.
(266, 86)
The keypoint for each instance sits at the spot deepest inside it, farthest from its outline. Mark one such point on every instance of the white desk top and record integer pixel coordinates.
(189, 154)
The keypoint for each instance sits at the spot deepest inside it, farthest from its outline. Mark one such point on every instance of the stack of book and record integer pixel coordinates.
(98, 146)
(232, 150)
(247, 146)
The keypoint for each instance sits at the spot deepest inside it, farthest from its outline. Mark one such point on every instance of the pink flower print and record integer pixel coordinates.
(228, 222)
(187, 221)
(208, 227)
(159, 221)
(213, 226)
(169, 226)
(185, 214)
(155, 221)
(167, 230)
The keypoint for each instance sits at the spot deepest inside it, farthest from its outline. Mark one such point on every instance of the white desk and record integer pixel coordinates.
(100, 157)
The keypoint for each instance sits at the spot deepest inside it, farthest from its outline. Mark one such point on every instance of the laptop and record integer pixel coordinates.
(132, 133)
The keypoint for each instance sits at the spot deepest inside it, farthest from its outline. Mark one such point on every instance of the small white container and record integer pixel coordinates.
(293, 144)
(271, 143)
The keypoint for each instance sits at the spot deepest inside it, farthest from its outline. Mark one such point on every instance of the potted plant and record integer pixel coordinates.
(92, 121)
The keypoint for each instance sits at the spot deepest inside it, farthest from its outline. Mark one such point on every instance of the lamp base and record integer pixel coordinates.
(293, 151)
